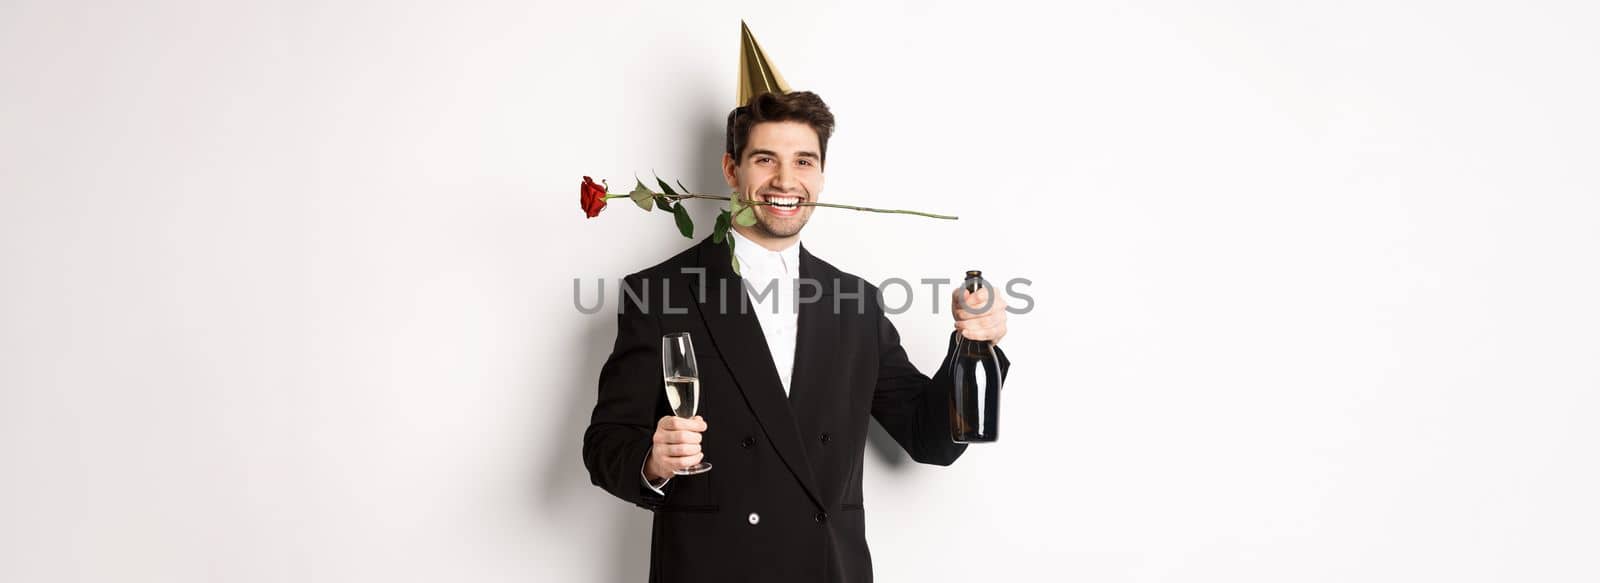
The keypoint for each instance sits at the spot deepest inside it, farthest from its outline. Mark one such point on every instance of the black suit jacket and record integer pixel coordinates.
(794, 463)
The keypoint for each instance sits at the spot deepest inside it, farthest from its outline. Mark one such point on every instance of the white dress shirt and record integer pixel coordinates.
(778, 311)
(769, 280)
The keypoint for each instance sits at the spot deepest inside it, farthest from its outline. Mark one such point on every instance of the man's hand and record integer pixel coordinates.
(676, 445)
(973, 319)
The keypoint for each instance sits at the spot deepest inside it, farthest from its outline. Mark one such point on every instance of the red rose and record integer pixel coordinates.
(592, 196)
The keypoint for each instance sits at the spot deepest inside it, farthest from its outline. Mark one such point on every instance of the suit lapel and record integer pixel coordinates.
(813, 385)
(729, 317)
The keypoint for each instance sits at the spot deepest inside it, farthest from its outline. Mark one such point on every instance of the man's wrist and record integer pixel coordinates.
(650, 476)
(654, 484)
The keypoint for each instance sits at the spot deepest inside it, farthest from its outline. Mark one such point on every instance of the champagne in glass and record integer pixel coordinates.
(683, 393)
(682, 378)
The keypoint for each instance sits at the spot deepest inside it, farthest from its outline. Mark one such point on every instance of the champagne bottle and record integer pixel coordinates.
(975, 370)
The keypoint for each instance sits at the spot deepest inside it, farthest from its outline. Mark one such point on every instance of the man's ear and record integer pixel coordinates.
(727, 171)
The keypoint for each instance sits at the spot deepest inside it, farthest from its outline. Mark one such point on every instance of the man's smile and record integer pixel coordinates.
(783, 205)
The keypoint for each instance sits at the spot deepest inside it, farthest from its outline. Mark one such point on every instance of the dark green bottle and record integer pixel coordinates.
(975, 368)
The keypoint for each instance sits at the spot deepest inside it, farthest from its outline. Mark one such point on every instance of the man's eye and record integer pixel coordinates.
(805, 162)
(763, 160)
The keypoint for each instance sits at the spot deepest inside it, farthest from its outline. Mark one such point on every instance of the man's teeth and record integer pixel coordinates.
(788, 202)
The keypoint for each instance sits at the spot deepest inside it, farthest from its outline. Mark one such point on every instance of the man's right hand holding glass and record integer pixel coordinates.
(675, 446)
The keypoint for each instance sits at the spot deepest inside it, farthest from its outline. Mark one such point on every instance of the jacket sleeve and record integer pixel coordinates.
(913, 408)
(630, 401)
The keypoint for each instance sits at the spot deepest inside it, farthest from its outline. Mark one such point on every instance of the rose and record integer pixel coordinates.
(739, 212)
(592, 197)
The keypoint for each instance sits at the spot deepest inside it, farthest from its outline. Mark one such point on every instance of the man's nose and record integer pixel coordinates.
(782, 179)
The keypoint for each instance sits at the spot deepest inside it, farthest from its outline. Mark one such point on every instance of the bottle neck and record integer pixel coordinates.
(973, 348)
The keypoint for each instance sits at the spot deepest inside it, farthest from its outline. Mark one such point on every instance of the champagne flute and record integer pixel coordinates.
(683, 384)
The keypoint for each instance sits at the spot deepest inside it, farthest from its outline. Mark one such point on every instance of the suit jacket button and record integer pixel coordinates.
(822, 517)
(755, 518)
(826, 438)
(748, 441)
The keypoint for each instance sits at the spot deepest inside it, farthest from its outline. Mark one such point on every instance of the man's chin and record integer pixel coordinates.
(783, 230)
(785, 227)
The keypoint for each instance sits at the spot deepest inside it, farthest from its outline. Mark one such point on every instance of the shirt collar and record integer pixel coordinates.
(772, 263)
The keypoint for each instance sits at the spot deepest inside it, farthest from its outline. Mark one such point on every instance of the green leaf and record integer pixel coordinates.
(743, 215)
(641, 196)
(720, 231)
(685, 224)
(735, 258)
(662, 201)
(664, 187)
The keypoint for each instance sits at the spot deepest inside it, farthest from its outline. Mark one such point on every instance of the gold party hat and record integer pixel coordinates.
(756, 74)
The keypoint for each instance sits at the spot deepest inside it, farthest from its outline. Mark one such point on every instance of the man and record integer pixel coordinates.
(794, 356)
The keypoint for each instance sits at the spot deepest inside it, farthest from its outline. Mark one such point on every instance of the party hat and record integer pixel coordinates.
(756, 73)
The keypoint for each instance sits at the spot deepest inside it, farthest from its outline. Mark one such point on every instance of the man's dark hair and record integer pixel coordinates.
(800, 106)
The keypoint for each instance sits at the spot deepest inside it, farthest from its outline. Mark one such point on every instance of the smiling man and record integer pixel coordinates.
(775, 154)
(795, 356)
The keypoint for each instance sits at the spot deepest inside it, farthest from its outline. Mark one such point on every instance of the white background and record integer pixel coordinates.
(286, 287)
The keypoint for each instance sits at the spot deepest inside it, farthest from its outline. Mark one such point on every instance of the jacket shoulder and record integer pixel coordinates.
(843, 280)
